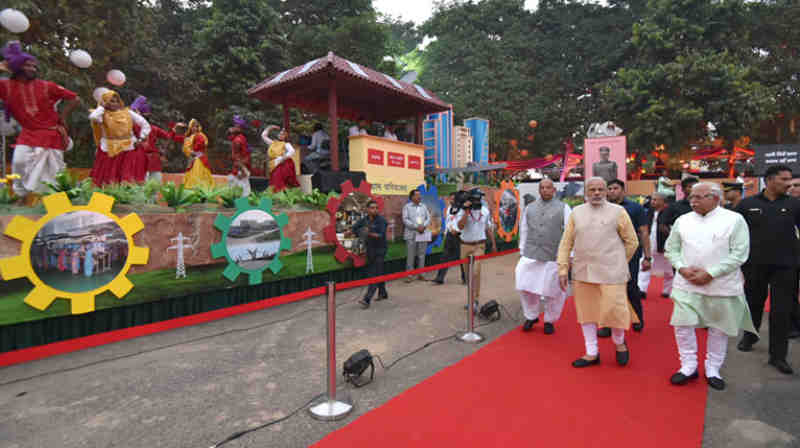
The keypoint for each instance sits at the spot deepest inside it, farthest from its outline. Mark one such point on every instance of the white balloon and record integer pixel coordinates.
(14, 21)
(98, 93)
(80, 58)
(115, 77)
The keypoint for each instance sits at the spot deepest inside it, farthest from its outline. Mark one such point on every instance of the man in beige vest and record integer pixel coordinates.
(602, 238)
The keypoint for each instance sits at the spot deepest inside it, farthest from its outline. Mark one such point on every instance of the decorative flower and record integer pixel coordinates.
(13, 176)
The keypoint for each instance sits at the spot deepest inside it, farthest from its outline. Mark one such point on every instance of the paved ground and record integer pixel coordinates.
(195, 386)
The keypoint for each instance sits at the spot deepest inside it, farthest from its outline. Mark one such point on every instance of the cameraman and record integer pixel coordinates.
(474, 221)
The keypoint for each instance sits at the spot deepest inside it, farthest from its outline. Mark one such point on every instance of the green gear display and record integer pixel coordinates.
(224, 223)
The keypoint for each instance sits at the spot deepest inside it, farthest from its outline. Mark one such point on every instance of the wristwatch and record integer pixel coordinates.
(648, 258)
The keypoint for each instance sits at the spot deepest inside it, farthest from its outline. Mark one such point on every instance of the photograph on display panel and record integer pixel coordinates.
(605, 157)
(254, 239)
(79, 251)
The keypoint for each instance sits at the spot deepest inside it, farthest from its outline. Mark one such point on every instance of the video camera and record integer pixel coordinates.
(474, 196)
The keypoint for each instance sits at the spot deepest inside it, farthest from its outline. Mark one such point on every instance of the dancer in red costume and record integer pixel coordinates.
(282, 172)
(240, 155)
(113, 126)
(39, 150)
(154, 156)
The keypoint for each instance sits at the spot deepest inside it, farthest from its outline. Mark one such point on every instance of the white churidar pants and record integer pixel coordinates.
(534, 304)
(590, 337)
(660, 264)
(716, 348)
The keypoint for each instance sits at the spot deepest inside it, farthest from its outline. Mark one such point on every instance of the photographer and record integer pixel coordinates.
(474, 221)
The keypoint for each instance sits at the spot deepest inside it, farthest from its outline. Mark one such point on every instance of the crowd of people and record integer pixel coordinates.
(720, 256)
(126, 149)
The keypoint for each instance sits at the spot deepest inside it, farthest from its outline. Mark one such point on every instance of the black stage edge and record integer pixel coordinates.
(327, 181)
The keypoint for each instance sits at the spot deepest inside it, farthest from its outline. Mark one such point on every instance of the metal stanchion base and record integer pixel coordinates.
(471, 337)
(328, 410)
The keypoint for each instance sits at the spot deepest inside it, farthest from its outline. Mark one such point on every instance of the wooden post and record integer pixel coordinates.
(286, 123)
(418, 130)
(333, 117)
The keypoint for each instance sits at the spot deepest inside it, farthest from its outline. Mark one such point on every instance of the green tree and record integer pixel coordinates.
(693, 64)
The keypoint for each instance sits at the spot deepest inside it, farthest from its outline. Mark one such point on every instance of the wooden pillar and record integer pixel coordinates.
(334, 118)
(418, 129)
(286, 123)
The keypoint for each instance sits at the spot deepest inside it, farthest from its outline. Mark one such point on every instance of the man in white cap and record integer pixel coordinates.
(541, 228)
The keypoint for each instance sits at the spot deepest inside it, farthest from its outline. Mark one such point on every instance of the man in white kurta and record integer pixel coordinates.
(707, 247)
(542, 225)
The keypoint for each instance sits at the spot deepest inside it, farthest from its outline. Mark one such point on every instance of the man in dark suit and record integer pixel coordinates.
(657, 239)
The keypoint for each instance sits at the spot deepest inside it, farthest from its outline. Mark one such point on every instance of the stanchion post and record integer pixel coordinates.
(470, 335)
(332, 406)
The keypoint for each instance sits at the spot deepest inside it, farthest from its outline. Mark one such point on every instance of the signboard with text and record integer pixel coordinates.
(383, 161)
(769, 155)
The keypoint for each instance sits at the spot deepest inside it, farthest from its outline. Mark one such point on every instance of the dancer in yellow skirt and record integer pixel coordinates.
(195, 147)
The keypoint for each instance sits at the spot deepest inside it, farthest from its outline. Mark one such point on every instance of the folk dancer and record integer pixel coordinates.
(113, 126)
(240, 156)
(39, 150)
(540, 232)
(282, 172)
(707, 248)
(603, 240)
(195, 147)
(155, 158)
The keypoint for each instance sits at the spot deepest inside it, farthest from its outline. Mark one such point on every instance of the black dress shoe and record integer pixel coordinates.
(665, 295)
(580, 362)
(638, 327)
(382, 297)
(747, 342)
(680, 379)
(363, 303)
(716, 383)
(529, 324)
(604, 333)
(624, 357)
(549, 328)
(438, 282)
(782, 366)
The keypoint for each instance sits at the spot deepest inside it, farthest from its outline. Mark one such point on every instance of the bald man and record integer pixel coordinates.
(602, 239)
(540, 232)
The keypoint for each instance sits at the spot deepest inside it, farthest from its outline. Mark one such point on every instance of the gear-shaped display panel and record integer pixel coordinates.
(75, 252)
(252, 240)
(345, 211)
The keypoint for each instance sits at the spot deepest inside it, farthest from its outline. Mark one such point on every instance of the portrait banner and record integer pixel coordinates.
(605, 157)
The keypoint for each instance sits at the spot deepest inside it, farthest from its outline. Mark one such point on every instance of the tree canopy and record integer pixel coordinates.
(661, 69)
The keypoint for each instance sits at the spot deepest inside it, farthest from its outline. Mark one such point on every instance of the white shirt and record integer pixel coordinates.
(317, 139)
(388, 134)
(144, 126)
(355, 130)
(477, 222)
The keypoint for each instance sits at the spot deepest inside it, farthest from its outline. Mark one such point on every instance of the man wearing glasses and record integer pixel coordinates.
(773, 217)
(707, 246)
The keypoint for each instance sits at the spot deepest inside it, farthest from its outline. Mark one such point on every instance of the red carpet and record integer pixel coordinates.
(521, 391)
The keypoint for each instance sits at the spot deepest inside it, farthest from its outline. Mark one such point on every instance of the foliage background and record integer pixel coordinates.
(660, 69)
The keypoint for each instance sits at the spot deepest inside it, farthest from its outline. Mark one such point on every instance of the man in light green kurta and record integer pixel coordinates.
(707, 248)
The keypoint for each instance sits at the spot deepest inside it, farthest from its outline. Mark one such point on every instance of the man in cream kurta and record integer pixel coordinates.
(542, 226)
(707, 246)
(603, 240)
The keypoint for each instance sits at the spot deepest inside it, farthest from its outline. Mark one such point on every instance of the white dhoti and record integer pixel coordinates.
(716, 349)
(36, 165)
(539, 289)
(662, 265)
(244, 183)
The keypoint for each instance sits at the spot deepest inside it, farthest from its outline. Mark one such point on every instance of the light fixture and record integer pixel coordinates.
(355, 366)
